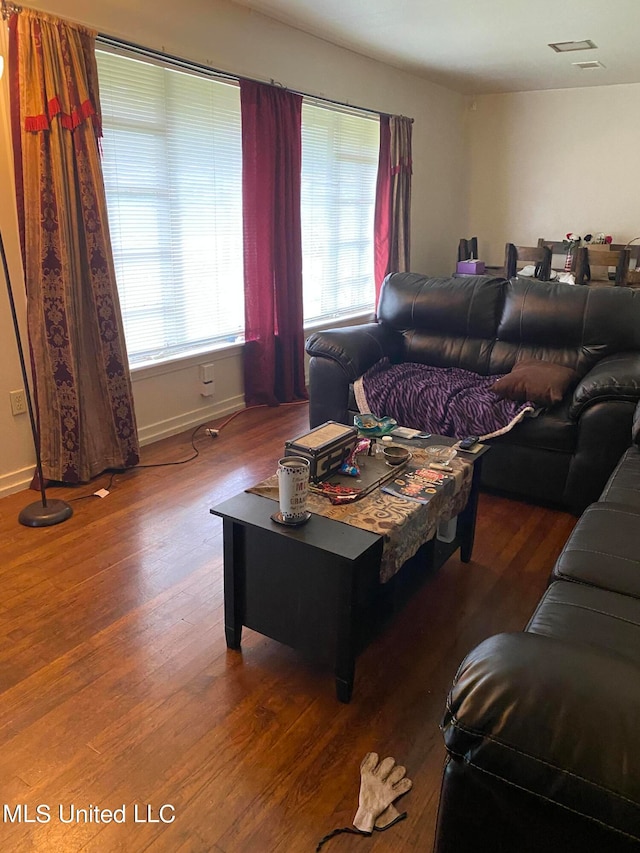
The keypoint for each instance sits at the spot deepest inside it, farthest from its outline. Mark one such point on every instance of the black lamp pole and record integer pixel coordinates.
(43, 513)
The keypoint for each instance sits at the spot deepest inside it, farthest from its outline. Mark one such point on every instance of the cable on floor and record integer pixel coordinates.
(213, 432)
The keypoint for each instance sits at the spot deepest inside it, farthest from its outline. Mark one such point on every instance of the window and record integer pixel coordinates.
(173, 177)
(339, 170)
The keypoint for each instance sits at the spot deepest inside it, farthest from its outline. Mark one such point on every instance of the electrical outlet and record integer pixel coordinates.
(18, 402)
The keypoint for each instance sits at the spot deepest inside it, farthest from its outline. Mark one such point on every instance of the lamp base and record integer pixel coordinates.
(39, 515)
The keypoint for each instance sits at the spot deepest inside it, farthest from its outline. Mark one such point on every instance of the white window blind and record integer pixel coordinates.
(339, 170)
(173, 177)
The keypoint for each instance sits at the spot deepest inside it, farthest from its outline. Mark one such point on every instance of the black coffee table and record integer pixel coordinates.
(313, 587)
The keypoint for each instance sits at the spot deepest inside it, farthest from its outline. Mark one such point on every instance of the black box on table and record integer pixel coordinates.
(326, 447)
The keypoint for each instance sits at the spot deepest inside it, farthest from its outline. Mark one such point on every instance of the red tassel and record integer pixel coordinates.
(54, 107)
(87, 109)
(68, 121)
(35, 123)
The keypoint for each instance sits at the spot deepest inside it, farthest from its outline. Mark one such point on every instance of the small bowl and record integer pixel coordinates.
(395, 455)
(441, 453)
(372, 425)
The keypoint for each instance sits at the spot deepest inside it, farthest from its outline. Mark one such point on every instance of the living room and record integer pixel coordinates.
(508, 165)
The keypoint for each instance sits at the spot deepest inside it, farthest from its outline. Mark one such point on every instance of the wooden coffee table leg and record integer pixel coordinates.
(233, 593)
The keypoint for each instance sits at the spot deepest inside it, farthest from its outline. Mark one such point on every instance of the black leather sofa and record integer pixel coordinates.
(484, 324)
(542, 728)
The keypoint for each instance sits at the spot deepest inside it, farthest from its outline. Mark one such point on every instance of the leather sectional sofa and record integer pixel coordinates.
(484, 324)
(542, 728)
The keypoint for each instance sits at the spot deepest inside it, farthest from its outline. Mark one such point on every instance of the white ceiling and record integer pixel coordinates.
(478, 46)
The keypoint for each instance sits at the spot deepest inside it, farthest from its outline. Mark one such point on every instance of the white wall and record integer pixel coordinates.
(546, 163)
(16, 445)
(234, 39)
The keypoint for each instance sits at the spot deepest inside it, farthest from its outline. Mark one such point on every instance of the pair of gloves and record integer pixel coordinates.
(381, 782)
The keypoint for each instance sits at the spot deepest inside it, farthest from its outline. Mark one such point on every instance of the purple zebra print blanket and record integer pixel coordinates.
(442, 400)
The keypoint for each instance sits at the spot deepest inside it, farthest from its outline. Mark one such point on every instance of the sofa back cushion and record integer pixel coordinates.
(446, 322)
(567, 324)
(486, 324)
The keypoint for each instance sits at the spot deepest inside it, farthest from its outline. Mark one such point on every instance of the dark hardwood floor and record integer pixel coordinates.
(116, 687)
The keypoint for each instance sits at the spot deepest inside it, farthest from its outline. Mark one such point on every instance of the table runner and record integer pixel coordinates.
(404, 524)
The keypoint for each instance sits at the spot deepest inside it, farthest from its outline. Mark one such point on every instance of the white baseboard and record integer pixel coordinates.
(16, 481)
(189, 420)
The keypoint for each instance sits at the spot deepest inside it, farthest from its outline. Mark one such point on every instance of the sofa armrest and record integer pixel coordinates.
(615, 377)
(356, 348)
(554, 718)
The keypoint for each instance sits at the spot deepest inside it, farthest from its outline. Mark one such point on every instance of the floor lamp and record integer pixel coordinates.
(42, 513)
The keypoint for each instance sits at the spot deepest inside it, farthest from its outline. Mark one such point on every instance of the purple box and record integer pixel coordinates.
(470, 267)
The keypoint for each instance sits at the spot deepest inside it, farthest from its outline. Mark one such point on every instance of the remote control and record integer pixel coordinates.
(405, 432)
(468, 442)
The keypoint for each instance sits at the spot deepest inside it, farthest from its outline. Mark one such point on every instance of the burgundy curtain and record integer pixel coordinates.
(382, 215)
(271, 170)
(86, 419)
(392, 224)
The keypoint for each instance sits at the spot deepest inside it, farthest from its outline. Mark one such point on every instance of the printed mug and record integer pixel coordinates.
(293, 487)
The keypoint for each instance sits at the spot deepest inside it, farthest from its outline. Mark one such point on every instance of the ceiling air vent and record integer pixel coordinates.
(585, 65)
(565, 46)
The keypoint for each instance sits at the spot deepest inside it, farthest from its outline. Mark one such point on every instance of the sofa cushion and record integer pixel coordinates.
(554, 719)
(603, 549)
(606, 622)
(623, 486)
(574, 326)
(447, 322)
(552, 430)
(543, 382)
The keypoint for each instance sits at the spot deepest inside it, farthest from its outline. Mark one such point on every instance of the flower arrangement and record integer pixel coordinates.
(599, 238)
(572, 241)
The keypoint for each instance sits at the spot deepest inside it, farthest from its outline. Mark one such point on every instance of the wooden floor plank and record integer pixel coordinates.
(117, 689)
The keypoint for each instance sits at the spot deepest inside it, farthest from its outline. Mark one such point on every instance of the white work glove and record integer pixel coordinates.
(388, 817)
(381, 784)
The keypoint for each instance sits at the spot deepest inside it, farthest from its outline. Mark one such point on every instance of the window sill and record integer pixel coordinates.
(339, 322)
(225, 351)
(186, 361)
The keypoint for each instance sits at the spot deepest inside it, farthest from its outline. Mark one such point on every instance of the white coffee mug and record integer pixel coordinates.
(293, 487)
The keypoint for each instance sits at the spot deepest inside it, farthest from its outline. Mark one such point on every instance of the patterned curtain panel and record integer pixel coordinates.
(382, 213)
(392, 219)
(82, 382)
(401, 169)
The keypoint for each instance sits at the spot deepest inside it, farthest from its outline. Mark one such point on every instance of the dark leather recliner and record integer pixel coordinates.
(542, 728)
(483, 324)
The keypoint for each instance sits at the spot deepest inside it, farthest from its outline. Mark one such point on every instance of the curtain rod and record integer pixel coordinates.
(9, 9)
(188, 64)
